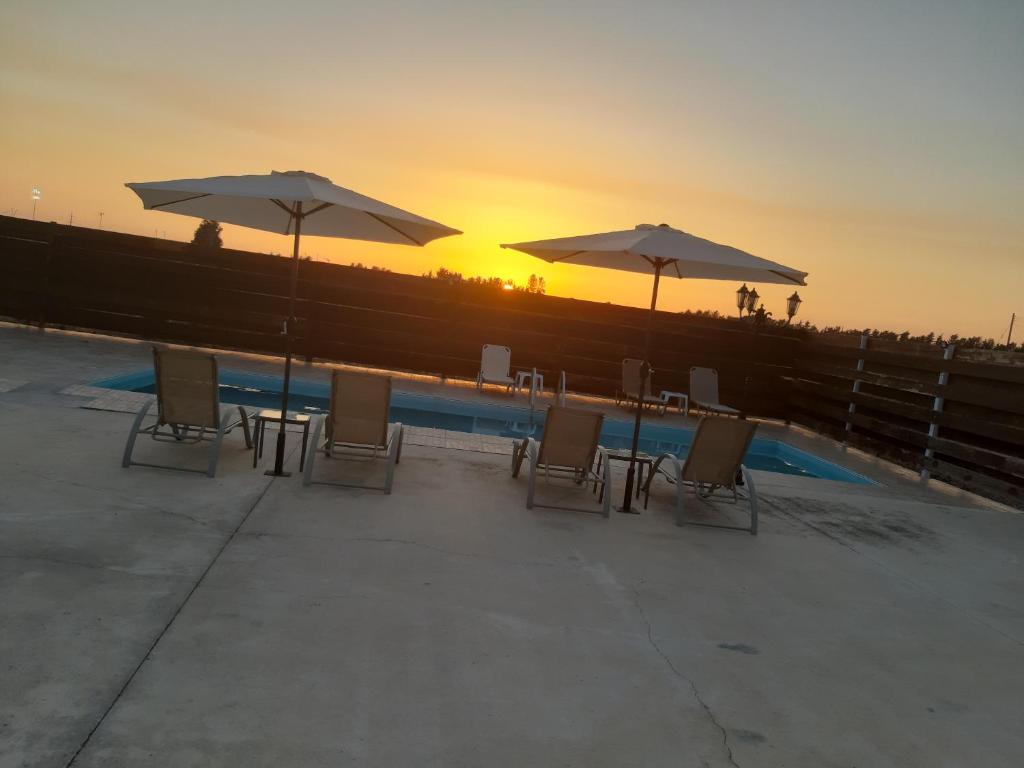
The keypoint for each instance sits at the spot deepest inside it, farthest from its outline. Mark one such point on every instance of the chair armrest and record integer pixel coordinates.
(394, 430)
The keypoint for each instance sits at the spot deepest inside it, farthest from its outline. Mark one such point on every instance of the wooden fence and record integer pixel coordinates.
(155, 289)
(957, 420)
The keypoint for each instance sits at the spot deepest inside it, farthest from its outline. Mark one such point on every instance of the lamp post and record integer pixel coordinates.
(36, 194)
(741, 299)
(792, 305)
(752, 298)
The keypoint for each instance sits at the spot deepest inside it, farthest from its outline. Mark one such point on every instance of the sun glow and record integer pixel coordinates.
(841, 183)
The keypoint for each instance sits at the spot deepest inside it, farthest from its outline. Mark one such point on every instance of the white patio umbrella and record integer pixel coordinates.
(290, 202)
(658, 250)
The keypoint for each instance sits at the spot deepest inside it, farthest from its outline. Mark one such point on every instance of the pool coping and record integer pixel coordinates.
(115, 393)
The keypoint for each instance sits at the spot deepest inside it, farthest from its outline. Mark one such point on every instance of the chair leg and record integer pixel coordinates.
(518, 452)
(307, 472)
(748, 481)
(211, 469)
(305, 444)
(245, 427)
(393, 449)
(129, 448)
(680, 494)
(606, 486)
(531, 486)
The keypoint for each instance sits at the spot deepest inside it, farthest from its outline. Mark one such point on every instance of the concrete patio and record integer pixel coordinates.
(167, 619)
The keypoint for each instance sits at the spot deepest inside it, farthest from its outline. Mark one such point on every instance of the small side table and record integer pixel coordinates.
(682, 400)
(274, 417)
(523, 376)
(643, 460)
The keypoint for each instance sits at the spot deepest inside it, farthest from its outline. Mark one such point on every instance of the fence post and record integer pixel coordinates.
(937, 405)
(856, 388)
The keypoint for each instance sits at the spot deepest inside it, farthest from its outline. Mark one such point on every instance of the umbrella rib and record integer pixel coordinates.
(567, 256)
(788, 277)
(286, 209)
(392, 226)
(175, 202)
(318, 208)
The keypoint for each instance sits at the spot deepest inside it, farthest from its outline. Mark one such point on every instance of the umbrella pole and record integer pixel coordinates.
(289, 323)
(645, 375)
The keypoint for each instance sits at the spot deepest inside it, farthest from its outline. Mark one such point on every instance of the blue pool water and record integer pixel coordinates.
(485, 418)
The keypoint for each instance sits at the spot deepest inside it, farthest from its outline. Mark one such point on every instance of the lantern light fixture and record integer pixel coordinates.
(752, 299)
(741, 298)
(792, 305)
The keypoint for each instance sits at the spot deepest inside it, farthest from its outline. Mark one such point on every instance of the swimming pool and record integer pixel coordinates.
(420, 410)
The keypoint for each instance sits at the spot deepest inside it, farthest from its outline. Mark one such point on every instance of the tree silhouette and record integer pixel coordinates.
(207, 236)
(536, 285)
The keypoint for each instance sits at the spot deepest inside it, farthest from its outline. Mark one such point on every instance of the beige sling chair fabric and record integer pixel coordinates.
(495, 363)
(713, 462)
(704, 392)
(631, 385)
(188, 407)
(357, 426)
(568, 448)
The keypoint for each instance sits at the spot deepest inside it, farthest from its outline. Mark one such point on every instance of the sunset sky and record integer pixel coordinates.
(878, 146)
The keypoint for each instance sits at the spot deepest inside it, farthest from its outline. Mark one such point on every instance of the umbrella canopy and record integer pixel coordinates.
(658, 250)
(646, 246)
(290, 202)
(269, 202)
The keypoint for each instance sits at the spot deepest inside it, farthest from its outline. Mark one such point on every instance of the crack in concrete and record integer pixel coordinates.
(675, 671)
(181, 606)
(128, 501)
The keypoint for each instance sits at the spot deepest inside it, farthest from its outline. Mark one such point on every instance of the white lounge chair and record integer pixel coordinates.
(188, 408)
(567, 450)
(495, 362)
(713, 462)
(631, 386)
(704, 392)
(357, 426)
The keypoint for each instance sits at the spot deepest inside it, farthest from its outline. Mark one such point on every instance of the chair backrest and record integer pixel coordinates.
(495, 361)
(186, 388)
(704, 385)
(359, 408)
(631, 377)
(718, 449)
(570, 437)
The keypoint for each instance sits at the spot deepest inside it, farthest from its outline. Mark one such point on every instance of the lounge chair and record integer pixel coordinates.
(704, 392)
(714, 461)
(495, 361)
(188, 408)
(357, 426)
(631, 386)
(567, 449)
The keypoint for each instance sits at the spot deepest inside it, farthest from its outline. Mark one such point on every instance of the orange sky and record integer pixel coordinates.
(881, 150)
